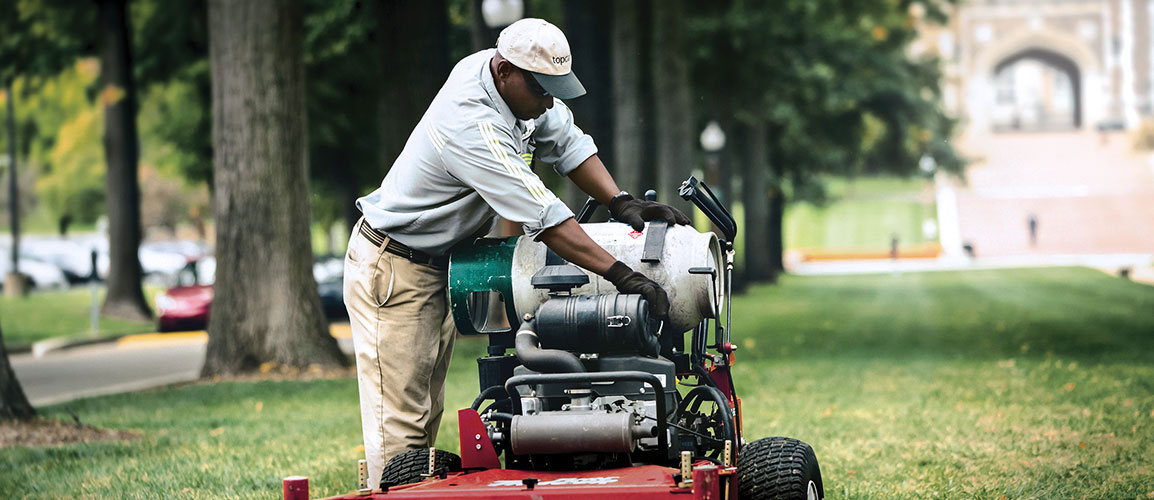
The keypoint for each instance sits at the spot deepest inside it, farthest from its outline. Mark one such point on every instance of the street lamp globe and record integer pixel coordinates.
(501, 13)
(927, 164)
(712, 138)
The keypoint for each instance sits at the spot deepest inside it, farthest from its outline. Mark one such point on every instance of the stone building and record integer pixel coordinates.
(1046, 64)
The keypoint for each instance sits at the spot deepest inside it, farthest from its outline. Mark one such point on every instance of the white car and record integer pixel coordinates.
(42, 274)
(72, 257)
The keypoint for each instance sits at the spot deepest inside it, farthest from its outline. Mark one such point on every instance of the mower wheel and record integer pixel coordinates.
(411, 466)
(779, 467)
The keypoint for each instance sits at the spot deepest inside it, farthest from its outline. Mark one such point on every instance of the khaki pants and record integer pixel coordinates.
(403, 336)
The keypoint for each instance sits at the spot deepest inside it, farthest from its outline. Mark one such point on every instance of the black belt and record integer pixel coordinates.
(397, 248)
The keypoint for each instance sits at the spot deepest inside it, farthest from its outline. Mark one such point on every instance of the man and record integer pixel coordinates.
(467, 161)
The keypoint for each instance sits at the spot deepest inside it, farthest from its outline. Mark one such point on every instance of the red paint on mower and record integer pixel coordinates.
(641, 482)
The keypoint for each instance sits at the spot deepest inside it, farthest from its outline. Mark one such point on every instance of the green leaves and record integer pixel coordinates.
(833, 79)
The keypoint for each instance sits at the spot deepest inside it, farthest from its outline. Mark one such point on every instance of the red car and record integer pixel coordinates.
(186, 306)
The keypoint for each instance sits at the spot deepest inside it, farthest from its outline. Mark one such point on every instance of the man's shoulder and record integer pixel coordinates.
(466, 102)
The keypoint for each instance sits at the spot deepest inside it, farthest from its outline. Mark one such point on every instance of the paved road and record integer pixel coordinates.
(135, 363)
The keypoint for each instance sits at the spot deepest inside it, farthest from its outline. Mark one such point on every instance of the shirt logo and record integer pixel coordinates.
(561, 59)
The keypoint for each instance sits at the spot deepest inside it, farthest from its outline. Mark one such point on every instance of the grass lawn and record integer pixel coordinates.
(1015, 383)
(861, 214)
(47, 314)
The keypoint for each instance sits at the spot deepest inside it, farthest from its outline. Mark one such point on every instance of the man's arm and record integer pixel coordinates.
(594, 179)
(574, 245)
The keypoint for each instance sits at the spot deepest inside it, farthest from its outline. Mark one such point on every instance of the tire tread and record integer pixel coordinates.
(777, 467)
(409, 467)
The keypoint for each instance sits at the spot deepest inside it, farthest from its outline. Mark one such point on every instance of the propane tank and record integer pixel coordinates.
(692, 296)
(490, 285)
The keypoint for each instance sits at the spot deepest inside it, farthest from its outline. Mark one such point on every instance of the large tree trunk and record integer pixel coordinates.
(754, 199)
(673, 116)
(124, 298)
(589, 39)
(415, 62)
(13, 402)
(266, 307)
(629, 121)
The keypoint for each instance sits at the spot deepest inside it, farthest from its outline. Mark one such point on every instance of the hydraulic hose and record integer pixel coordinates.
(530, 353)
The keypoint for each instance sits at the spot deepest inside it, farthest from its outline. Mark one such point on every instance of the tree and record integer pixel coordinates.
(837, 93)
(414, 48)
(266, 307)
(589, 40)
(124, 297)
(13, 402)
(673, 114)
(628, 41)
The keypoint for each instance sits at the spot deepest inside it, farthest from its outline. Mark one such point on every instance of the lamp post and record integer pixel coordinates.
(712, 142)
(501, 13)
(490, 16)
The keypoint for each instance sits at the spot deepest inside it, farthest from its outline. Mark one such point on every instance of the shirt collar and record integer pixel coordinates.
(490, 87)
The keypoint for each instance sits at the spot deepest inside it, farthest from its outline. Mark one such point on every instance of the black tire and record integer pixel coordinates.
(409, 467)
(779, 468)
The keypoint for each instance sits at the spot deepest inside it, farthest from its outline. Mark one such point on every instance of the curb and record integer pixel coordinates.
(42, 347)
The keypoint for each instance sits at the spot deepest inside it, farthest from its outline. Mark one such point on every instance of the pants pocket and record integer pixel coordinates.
(383, 279)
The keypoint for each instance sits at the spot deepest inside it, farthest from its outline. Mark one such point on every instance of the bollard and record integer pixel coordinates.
(296, 488)
(94, 317)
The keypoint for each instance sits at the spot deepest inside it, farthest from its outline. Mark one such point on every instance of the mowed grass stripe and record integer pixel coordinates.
(908, 386)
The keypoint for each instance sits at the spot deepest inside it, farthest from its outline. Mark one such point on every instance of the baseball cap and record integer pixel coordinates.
(540, 48)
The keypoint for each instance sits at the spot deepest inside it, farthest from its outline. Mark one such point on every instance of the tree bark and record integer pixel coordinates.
(13, 186)
(756, 203)
(629, 119)
(415, 63)
(124, 297)
(673, 117)
(776, 232)
(589, 39)
(13, 402)
(266, 307)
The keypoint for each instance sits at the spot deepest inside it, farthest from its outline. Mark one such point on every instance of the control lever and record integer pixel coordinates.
(698, 193)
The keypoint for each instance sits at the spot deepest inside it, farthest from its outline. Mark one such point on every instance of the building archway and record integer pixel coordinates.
(1064, 53)
(1037, 89)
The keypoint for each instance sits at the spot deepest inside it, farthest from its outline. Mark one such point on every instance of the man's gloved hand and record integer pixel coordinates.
(629, 281)
(634, 212)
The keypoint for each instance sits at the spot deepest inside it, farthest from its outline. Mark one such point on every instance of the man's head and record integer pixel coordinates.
(532, 66)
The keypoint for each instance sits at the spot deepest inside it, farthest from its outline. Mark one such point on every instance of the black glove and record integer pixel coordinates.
(634, 212)
(629, 281)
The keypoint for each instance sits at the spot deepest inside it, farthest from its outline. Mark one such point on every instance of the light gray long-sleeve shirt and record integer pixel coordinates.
(468, 160)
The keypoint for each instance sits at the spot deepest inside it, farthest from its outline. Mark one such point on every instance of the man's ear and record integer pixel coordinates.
(504, 69)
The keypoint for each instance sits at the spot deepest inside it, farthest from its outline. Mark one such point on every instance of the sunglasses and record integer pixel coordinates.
(534, 86)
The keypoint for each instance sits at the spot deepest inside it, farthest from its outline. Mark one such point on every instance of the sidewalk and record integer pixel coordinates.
(1141, 265)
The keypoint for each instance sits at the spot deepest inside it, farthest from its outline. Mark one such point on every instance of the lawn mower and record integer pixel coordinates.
(598, 398)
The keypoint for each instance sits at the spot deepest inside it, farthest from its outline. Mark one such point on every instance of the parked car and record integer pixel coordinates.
(41, 275)
(186, 306)
(71, 256)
